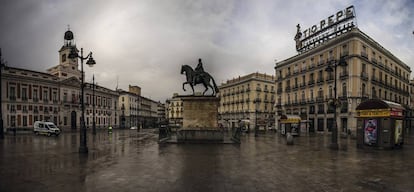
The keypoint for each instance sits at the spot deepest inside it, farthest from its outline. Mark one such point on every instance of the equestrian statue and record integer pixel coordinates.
(198, 76)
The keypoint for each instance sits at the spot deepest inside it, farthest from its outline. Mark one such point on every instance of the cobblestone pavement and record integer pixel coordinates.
(128, 160)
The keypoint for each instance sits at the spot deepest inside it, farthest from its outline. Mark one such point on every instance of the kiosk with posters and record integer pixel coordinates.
(290, 123)
(380, 124)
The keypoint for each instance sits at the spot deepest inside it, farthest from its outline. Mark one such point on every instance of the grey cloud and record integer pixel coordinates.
(144, 43)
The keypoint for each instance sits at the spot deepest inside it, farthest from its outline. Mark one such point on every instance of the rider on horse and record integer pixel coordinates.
(199, 70)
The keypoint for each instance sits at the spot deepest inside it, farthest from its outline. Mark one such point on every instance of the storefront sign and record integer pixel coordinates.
(396, 113)
(374, 113)
(335, 25)
(290, 120)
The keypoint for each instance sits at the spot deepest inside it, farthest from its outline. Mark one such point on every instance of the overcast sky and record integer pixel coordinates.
(145, 43)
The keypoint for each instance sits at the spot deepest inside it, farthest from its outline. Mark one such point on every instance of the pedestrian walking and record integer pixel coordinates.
(110, 129)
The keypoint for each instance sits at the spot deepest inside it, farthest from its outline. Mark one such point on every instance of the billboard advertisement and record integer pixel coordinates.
(398, 131)
(370, 131)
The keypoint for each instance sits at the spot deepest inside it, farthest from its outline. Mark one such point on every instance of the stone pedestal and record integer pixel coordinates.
(200, 120)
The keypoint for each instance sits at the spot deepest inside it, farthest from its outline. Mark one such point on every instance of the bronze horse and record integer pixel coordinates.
(203, 78)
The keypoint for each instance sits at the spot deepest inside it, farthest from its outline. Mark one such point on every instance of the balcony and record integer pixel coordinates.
(258, 89)
(24, 99)
(344, 75)
(311, 66)
(364, 54)
(45, 100)
(311, 82)
(320, 81)
(374, 60)
(330, 78)
(364, 76)
(279, 90)
(321, 62)
(319, 99)
(287, 89)
(12, 98)
(344, 53)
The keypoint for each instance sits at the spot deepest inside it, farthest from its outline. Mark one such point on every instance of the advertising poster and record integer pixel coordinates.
(398, 131)
(370, 131)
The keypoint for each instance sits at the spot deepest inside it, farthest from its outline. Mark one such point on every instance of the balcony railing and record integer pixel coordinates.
(364, 76)
(364, 54)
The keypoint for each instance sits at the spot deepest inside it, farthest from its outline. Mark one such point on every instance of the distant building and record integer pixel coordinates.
(136, 110)
(174, 114)
(29, 96)
(248, 98)
(161, 113)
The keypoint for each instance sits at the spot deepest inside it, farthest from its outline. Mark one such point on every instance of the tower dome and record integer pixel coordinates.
(68, 35)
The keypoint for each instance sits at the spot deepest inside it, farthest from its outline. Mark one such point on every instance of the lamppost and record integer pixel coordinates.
(333, 64)
(1, 99)
(257, 105)
(83, 148)
(93, 105)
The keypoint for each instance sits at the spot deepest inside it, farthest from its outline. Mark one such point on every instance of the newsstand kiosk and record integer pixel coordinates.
(380, 124)
(290, 123)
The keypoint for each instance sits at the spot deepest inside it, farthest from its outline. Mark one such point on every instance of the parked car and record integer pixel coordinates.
(45, 128)
(134, 127)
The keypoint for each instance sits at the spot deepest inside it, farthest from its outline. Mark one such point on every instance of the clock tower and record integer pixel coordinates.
(66, 68)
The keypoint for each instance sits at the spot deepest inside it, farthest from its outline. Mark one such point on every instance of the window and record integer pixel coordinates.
(45, 98)
(12, 93)
(24, 93)
(363, 90)
(344, 91)
(63, 58)
(311, 94)
(24, 120)
(330, 91)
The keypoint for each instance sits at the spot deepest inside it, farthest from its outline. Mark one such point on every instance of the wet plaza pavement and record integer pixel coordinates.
(127, 160)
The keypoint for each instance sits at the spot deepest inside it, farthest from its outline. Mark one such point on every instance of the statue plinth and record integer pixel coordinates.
(200, 123)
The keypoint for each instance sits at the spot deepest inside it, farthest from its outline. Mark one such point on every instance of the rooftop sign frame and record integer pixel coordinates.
(327, 29)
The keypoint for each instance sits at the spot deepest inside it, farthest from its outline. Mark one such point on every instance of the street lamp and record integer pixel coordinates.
(93, 105)
(333, 64)
(83, 148)
(257, 104)
(1, 99)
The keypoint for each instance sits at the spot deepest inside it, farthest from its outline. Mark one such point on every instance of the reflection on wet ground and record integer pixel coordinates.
(127, 160)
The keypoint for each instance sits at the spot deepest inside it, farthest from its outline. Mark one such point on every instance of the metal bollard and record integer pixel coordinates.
(289, 139)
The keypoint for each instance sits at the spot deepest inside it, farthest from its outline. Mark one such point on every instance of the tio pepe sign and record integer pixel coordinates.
(329, 28)
(331, 20)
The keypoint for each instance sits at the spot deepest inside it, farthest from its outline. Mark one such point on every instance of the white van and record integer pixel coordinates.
(46, 128)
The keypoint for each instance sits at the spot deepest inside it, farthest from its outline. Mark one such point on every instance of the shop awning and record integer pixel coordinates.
(379, 108)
